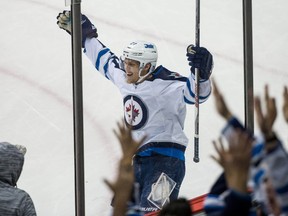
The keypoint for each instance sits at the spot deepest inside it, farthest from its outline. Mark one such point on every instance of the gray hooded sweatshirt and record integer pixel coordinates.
(13, 201)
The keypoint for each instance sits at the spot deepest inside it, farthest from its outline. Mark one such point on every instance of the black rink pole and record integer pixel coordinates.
(196, 157)
(78, 108)
(248, 65)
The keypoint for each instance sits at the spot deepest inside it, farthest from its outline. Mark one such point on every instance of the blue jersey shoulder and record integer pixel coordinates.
(163, 73)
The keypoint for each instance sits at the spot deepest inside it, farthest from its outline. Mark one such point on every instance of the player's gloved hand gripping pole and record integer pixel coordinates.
(88, 29)
(201, 62)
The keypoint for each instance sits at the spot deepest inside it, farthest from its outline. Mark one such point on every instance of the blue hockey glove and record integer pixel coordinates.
(201, 58)
(88, 29)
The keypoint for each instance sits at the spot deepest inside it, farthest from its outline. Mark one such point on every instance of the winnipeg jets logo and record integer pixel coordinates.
(149, 46)
(135, 112)
(132, 112)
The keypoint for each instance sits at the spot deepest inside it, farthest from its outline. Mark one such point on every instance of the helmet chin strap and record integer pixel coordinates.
(142, 78)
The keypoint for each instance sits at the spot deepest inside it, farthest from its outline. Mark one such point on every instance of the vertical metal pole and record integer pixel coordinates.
(78, 107)
(196, 158)
(248, 64)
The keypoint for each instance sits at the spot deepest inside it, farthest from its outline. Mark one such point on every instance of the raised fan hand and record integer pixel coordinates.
(128, 144)
(235, 159)
(128, 147)
(123, 185)
(266, 120)
(220, 103)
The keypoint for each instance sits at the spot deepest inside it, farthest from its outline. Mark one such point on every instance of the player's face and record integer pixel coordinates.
(132, 70)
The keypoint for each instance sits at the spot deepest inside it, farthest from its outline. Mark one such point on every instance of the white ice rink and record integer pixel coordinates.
(36, 86)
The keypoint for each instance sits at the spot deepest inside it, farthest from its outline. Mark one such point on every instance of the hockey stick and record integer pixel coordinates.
(196, 158)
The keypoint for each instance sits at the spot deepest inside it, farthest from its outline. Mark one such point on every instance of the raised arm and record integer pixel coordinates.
(88, 29)
(266, 120)
(100, 56)
(220, 103)
(123, 185)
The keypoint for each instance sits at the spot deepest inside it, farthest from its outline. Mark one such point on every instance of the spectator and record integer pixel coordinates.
(270, 160)
(268, 167)
(235, 161)
(13, 201)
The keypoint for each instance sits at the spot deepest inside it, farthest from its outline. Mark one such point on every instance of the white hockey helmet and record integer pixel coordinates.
(143, 52)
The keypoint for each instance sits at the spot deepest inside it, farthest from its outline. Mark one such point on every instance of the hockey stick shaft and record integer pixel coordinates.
(196, 158)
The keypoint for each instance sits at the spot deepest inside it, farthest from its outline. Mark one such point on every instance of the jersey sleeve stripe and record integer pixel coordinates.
(188, 84)
(101, 53)
(188, 101)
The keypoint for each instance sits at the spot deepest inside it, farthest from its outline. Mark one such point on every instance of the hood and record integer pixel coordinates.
(11, 163)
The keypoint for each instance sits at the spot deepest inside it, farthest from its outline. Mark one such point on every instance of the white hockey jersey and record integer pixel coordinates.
(155, 107)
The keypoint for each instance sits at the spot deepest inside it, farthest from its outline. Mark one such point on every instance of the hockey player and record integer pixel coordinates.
(154, 100)
(13, 201)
